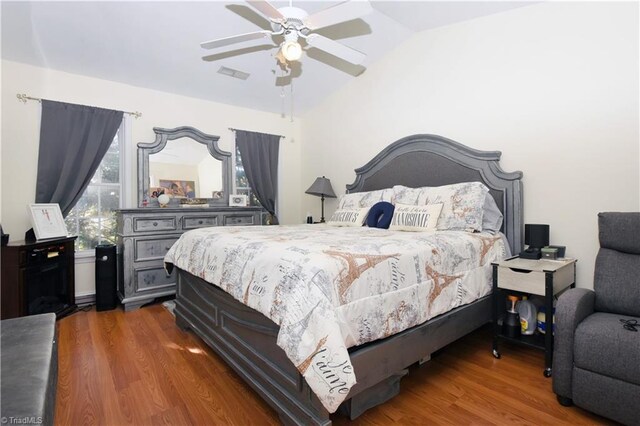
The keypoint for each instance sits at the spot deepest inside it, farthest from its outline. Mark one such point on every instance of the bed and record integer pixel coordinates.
(247, 340)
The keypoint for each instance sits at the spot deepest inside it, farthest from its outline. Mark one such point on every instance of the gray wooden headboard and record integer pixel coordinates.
(430, 160)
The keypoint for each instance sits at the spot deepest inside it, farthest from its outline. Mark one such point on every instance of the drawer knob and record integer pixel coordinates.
(155, 223)
(200, 222)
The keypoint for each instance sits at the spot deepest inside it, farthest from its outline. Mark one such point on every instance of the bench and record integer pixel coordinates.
(29, 361)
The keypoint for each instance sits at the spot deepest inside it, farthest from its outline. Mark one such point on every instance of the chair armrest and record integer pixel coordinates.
(572, 308)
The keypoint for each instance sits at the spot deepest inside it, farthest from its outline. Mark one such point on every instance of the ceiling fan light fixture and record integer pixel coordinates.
(291, 50)
(293, 22)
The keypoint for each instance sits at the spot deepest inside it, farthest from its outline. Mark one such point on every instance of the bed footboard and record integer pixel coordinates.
(246, 340)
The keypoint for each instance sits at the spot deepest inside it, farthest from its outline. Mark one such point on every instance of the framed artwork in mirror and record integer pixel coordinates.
(179, 188)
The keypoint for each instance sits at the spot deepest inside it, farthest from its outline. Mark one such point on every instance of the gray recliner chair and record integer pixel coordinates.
(596, 359)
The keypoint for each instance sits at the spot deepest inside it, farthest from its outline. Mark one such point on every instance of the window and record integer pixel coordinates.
(242, 184)
(93, 218)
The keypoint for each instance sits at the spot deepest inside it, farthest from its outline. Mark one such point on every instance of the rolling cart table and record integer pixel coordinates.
(523, 277)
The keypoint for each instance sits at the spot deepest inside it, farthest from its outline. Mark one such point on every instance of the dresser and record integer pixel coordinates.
(146, 234)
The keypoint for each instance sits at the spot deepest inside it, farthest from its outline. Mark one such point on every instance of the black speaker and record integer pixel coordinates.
(106, 277)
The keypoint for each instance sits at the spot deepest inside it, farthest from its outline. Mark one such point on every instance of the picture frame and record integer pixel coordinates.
(47, 221)
(238, 200)
(178, 188)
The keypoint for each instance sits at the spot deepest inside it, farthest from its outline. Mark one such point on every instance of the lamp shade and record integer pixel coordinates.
(321, 187)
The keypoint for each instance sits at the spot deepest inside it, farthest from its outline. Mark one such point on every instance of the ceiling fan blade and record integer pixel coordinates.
(336, 49)
(267, 9)
(341, 12)
(212, 57)
(212, 44)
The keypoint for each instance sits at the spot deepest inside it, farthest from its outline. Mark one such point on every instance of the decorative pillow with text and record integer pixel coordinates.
(415, 218)
(348, 217)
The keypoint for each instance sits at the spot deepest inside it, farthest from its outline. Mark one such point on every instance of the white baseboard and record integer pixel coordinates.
(85, 299)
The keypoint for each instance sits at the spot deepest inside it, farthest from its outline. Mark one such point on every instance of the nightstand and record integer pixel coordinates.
(523, 277)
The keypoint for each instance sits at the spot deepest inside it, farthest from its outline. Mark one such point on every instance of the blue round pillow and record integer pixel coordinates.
(380, 215)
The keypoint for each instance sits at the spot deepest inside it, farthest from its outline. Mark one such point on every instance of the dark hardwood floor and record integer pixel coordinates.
(118, 368)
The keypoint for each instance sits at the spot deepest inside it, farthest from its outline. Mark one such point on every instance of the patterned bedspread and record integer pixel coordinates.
(332, 288)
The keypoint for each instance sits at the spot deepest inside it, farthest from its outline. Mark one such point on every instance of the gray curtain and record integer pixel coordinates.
(259, 152)
(73, 141)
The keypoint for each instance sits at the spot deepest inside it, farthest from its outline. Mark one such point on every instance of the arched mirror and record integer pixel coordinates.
(185, 164)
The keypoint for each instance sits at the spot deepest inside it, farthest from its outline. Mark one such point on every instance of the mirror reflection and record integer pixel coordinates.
(185, 169)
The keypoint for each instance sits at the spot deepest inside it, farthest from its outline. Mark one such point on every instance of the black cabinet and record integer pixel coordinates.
(38, 277)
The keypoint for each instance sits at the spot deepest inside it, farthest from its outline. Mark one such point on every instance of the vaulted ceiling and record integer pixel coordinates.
(156, 44)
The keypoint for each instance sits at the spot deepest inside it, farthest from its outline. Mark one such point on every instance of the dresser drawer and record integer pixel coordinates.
(193, 222)
(240, 219)
(151, 224)
(152, 248)
(153, 278)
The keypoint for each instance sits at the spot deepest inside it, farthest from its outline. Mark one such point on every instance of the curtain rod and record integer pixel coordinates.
(233, 130)
(22, 97)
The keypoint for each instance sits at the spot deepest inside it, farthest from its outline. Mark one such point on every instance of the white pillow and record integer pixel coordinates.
(364, 199)
(415, 218)
(491, 215)
(462, 208)
(348, 217)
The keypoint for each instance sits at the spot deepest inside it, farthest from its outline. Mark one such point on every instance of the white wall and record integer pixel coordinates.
(21, 127)
(554, 86)
(1, 102)
(210, 177)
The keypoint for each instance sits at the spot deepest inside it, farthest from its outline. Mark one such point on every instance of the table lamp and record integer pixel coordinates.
(321, 188)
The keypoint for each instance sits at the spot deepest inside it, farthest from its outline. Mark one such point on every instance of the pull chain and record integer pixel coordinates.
(291, 86)
(282, 96)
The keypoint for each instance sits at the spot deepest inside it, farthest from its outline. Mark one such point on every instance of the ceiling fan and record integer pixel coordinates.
(294, 24)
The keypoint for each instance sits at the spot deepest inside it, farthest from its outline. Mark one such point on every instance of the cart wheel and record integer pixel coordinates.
(496, 354)
(547, 372)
